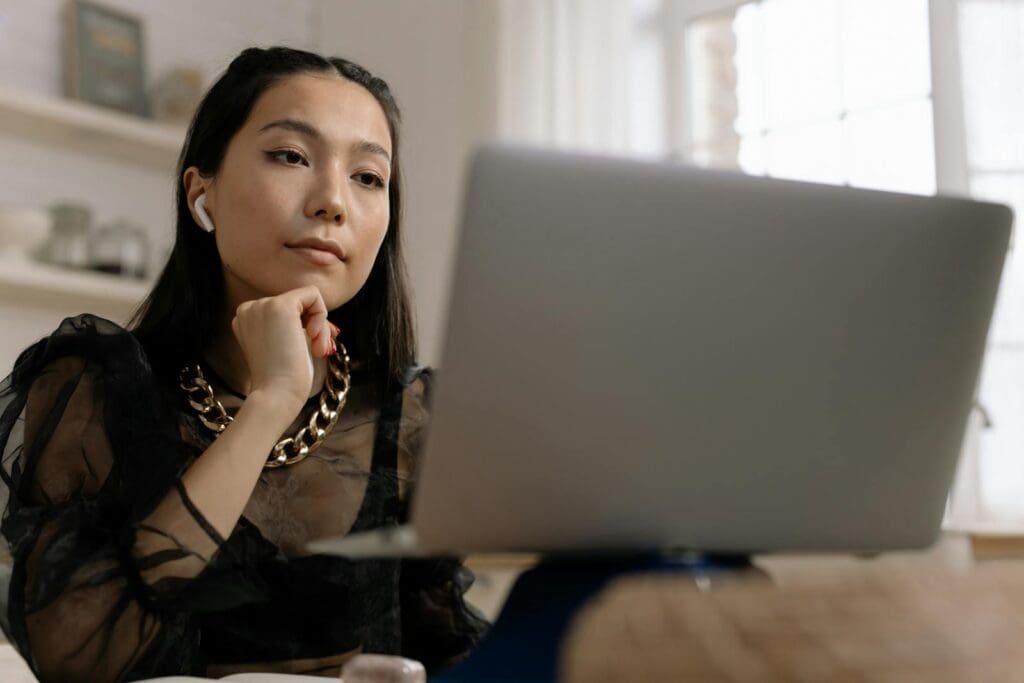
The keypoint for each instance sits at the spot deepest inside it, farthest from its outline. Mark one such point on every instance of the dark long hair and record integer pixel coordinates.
(182, 314)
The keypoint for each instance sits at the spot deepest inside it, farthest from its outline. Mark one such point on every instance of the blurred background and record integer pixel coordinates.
(919, 96)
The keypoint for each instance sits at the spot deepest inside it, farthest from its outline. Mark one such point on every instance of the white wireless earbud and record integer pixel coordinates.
(204, 217)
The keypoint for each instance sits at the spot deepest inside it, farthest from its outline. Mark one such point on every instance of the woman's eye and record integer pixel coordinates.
(291, 157)
(370, 179)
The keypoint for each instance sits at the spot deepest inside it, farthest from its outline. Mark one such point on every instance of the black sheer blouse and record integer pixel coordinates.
(118, 576)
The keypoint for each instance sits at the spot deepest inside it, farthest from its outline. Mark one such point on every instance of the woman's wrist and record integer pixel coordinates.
(273, 405)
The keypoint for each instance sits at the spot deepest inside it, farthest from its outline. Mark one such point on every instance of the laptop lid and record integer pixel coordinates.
(650, 355)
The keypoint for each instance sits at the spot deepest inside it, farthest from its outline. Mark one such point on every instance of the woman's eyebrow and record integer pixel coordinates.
(311, 131)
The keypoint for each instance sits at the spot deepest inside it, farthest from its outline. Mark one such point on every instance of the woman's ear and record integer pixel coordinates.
(195, 192)
(203, 217)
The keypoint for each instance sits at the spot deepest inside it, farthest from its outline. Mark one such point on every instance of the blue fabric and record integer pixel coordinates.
(523, 644)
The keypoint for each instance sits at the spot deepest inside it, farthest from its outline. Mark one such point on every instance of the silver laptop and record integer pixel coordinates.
(652, 356)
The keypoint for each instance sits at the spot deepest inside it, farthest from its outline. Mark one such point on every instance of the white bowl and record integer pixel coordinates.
(23, 229)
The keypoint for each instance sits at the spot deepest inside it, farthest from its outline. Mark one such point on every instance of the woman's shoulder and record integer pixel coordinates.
(81, 341)
(89, 322)
(414, 372)
(84, 329)
(417, 385)
(414, 407)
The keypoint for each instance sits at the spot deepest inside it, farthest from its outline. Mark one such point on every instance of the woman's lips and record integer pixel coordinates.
(318, 257)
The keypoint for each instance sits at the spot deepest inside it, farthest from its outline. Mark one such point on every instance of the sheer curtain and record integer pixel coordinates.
(568, 75)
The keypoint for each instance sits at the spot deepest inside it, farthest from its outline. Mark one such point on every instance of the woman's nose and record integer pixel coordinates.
(335, 214)
(329, 201)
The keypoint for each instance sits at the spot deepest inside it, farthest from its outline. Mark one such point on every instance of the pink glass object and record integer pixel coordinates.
(382, 669)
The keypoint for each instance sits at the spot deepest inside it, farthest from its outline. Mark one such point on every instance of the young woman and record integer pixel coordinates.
(161, 481)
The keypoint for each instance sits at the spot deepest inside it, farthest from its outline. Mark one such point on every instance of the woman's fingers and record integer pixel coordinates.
(334, 331)
(313, 312)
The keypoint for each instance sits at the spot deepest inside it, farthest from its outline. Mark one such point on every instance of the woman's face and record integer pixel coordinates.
(311, 161)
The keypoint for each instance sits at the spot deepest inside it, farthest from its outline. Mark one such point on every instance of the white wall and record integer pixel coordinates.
(438, 58)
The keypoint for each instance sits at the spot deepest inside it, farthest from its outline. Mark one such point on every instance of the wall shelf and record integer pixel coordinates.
(89, 128)
(26, 279)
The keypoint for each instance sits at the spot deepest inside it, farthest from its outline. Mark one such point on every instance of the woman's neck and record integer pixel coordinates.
(226, 358)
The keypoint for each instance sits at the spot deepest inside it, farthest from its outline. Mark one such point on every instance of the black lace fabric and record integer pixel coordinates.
(117, 576)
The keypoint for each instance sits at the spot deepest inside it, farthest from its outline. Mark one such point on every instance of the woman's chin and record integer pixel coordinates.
(335, 286)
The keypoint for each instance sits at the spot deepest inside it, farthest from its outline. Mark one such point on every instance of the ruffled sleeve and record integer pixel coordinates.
(103, 537)
(439, 627)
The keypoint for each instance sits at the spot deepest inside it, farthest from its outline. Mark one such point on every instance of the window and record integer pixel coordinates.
(992, 55)
(835, 91)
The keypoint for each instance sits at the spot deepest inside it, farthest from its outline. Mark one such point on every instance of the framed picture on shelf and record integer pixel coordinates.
(103, 57)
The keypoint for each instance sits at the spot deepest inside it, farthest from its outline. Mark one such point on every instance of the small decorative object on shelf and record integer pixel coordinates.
(175, 96)
(103, 57)
(120, 248)
(69, 236)
(22, 230)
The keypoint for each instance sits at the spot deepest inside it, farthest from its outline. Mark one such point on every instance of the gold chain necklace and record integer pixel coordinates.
(288, 450)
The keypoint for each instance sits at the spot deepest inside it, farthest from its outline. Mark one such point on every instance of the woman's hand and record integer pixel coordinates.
(278, 336)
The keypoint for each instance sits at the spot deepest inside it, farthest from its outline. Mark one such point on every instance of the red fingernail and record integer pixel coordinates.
(337, 331)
